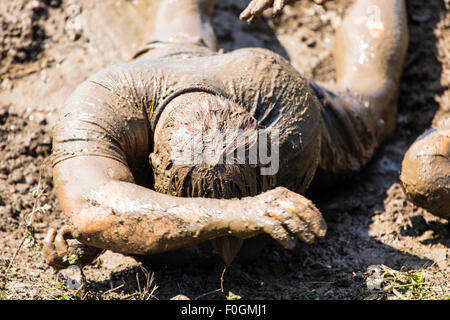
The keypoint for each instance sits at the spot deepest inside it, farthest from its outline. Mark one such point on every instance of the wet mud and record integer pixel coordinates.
(370, 221)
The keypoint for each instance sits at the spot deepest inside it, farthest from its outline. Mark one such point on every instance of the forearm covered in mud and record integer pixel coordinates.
(126, 218)
(107, 210)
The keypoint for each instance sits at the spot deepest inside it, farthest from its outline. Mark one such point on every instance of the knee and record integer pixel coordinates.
(425, 174)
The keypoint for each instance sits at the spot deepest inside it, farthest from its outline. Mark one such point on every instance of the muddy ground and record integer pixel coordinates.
(378, 246)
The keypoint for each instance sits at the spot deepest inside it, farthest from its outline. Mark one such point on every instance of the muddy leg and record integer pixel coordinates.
(190, 19)
(370, 49)
(360, 109)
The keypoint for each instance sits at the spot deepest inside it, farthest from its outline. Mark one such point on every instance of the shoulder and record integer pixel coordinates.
(262, 56)
(126, 75)
(269, 66)
(119, 86)
(259, 53)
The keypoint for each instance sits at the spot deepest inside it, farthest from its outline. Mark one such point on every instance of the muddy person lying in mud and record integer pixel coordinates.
(187, 153)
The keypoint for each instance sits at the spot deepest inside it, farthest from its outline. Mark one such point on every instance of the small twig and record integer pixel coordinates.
(5, 277)
(221, 278)
(207, 294)
(113, 289)
(147, 292)
(139, 286)
(398, 294)
(410, 285)
(28, 222)
(25, 71)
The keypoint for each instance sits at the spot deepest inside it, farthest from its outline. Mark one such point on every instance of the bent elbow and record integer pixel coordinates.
(88, 223)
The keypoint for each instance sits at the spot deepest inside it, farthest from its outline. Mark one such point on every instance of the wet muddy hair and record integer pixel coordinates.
(208, 114)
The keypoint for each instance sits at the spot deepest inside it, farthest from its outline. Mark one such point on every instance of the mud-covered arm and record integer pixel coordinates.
(107, 210)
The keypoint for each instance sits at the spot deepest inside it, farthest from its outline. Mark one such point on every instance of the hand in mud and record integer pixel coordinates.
(60, 255)
(257, 7)
(284, 214)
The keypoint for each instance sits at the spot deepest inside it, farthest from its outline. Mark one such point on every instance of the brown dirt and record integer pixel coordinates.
(48, 47)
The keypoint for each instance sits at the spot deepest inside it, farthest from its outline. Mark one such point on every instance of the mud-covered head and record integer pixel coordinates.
(202, 149)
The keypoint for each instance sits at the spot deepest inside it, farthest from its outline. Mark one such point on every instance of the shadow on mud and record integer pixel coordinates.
(421, 84)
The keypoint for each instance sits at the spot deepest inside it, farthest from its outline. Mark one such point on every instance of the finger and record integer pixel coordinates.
(50, 237)
(308, 213)
(276, 230)
(49, 246)
(294, 224)
(260, 6)
(50, 255)
(278, 6)
(247, 13)
(61, 243)
(66, 232)
(300, 229)
(319, 1)
(315, 221)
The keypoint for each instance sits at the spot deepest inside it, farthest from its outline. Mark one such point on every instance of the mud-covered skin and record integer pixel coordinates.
(96, 183)
(370, 48)
(108, 211)
(58, 253)
(114, 113)
(81, 136)
(425, 174)
(189, 19)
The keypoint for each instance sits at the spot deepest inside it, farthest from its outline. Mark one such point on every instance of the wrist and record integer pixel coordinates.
(240, 216)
